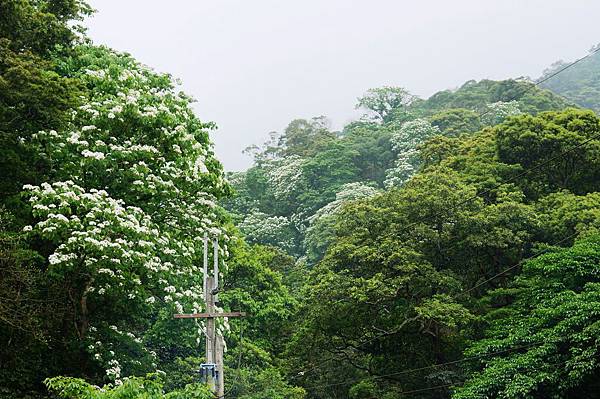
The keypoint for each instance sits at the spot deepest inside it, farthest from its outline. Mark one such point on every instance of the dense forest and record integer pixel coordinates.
(576, 81)
(446, 247)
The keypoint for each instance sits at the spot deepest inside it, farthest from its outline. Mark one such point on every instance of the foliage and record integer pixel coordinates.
(388, 292)
(259, 227)
(405, 143)
(383, 101)
(304, 137)
(453, 122)
(256, 286)
(348, 192)
(366, 298)
(574, 136)
(149, 387)
(563, 214)
(498, 112)
(475, 96)
(294, 178)
(301, 138)
(20, 272)
(33, 95)
(397, 241)
(136, 184)
(285, 177)
(548, 332)
(321, 228)
(39, 26)
(579, 83)
(264, 384)
(23, 312)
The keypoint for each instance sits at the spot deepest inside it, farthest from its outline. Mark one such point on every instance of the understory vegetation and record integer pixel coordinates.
(446, 247)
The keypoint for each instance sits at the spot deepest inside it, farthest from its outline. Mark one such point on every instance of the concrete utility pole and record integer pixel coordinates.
(212, 370)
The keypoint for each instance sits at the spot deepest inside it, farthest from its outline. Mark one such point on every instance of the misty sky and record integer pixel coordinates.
(254, 65)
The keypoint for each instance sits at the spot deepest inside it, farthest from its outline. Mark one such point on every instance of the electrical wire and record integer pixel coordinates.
(409, 371)
(436, 365)
(455, 296)
(546, 78)
(523, 173)
(519, 263)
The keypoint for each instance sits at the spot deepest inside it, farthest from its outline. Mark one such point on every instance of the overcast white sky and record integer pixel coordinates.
(254, 65)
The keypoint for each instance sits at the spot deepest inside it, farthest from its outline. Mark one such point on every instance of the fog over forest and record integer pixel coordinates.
(254, 66)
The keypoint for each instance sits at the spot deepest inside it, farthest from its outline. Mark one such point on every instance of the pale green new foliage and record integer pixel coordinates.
(382, 102)
(150, 387)
(133, 188)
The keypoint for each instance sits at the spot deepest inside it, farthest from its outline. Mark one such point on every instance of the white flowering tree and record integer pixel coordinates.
(321, 227)
(405, 143)
(261, 228)
(348, 192)
(285, 176)
(133, 190)
(496, 113)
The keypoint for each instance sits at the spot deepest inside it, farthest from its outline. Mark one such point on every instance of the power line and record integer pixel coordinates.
(449, 385)
(425, 389)
(437, 365)
(511, 267)
(577, 61)
(523, 173)
(427, 367)
(518, 264)
(455, 296)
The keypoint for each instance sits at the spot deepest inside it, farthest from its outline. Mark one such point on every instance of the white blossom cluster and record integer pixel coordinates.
(347, 193)
(285, 175)
(133, 193)
(405, 143)
(262, 228)
(497, 112)
(321, 225)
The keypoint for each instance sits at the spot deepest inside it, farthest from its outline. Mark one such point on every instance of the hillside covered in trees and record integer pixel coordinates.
(446, 247)
(578, 82)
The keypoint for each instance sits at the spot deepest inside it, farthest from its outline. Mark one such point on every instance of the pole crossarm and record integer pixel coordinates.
(208, 315)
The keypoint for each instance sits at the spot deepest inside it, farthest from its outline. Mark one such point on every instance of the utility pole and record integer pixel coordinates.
(212, 371)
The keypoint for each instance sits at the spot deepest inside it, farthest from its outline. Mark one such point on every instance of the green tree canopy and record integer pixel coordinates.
(547, 334)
